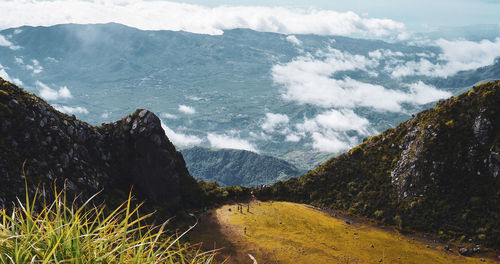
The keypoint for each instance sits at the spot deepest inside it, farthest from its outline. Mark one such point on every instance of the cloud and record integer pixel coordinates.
(329, 130)
(165, 15)
(71, 109)
(48, 93)
(293, 39)
(17, 82)
(6, 43)
(384, 53)
(292, 138)
(229, 142)
(186, 109)
(105, 114)
(273, 120)
(35, 67)
(424, 94)
(179, 139)
(308, 80)
(458, 55)
(6, 76)
(19, 60)
(169, 116)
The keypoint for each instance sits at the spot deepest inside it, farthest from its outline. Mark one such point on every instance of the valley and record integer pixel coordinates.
(284, 232)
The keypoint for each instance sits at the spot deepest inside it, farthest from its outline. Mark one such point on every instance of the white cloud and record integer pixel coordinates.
(105, 114)
(292, 138)
(329, 142)
(186, 109)
(6, 43)
(343, 120)
(169, 116)
(165, 15)
(6, 76)
(71, 109)
(52, 60)
(273, 120)
(293, 39)
(35, 67)
(17, 82)
(19, 60)
(328, 130)
(424, 94)
(458, 55)
(384, 53)
(179, 139)
(48, 93)
(307, 80)
(229, 142)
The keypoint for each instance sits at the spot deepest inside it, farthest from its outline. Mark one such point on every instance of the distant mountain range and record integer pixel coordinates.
(230, 167)
(263, 92)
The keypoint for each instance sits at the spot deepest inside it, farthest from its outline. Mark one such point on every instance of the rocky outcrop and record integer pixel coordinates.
(55, 147)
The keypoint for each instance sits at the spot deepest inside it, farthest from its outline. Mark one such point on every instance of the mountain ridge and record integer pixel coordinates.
(237, 167)
(437, 172)
(55, 147)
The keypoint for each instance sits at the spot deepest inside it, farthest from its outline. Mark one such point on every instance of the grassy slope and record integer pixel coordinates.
(283, 232)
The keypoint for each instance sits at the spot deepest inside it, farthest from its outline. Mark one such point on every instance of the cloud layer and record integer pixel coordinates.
(229, 142)
(457, 56)
(157, 15)
(179, 139)
(308, 80)
(48, 93)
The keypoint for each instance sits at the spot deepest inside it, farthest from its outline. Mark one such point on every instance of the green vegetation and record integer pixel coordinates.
(434, 173)
(59, 232)
(231, 167)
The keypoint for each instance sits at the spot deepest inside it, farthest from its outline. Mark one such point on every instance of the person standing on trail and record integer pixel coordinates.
(248, 207)
(245, 230)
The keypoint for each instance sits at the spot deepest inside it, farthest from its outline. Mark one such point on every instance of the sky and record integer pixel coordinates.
(418, 15)
(363, 18)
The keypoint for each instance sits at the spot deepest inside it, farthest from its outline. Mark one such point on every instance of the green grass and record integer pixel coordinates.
(60, 232)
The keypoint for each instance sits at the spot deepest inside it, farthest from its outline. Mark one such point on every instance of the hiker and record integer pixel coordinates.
(248, 208)
(245, 230)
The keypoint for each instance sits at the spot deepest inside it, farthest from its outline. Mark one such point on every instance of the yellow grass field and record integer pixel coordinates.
(281, 232)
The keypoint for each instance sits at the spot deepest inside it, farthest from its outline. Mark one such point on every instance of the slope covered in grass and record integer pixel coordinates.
(283, 232)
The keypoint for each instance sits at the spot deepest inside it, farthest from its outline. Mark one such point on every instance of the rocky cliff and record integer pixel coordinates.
(55, 147)
(437, 172)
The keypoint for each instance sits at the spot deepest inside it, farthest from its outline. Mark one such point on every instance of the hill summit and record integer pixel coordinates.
(437, 172)
(53, 146)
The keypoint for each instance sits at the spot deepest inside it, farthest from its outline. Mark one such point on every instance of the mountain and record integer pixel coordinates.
(243, 89)
(437, 172)
(55, 147)
(230, 167)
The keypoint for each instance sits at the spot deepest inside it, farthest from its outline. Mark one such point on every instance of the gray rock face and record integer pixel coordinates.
(482, 129)
(407, 176)
(133, 151)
